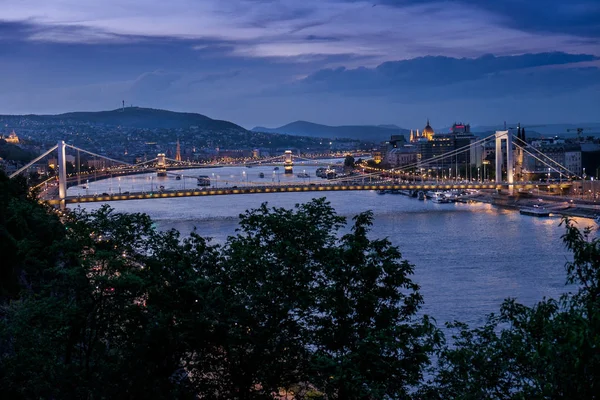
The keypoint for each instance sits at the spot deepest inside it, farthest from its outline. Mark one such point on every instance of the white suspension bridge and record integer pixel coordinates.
(508, 149)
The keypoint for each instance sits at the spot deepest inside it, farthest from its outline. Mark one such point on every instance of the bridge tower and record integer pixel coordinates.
(504, 135)
(288, 164)
(161, 165)
(62, 171)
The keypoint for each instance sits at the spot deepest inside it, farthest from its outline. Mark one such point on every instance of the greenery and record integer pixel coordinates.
(349, 162)
(101, 305)
(13, 152)
(548, 351)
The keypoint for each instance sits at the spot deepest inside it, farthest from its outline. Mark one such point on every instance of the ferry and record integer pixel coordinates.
(261, 175)
(439, 197)
(203, 180)
(534, 211)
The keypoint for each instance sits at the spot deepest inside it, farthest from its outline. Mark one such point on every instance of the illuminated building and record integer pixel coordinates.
(12, 138)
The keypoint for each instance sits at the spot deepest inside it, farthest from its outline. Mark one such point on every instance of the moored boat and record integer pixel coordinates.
(534, 211)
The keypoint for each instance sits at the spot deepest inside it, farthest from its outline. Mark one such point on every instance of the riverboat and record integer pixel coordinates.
(203, 180)
(534, 211)
(439, 197)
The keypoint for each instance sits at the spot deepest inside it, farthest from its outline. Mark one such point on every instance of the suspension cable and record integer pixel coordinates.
(17, 172)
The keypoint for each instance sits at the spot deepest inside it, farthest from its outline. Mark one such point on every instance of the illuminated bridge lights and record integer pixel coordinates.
(300, 188)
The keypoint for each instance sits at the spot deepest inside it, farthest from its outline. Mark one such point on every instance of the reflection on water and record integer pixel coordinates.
(468, 257)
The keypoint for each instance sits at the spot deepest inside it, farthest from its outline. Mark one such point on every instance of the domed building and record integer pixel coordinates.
(425, 135)
(428, 131)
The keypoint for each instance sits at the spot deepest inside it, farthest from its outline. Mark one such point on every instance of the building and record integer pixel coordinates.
(426, 134)
(567, 155)
(432, 147)
(381, 155)
(401, 156)
(12, 138)
(460, 128)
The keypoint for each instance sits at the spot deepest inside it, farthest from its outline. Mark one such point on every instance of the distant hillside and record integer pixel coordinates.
(370, 133)
(136, 117)
(547, 129)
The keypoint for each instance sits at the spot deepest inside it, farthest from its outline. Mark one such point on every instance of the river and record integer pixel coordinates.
(468, 257)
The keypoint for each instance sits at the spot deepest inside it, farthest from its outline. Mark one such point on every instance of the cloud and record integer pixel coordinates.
(392, 30)
(484, 76)
(575, 17)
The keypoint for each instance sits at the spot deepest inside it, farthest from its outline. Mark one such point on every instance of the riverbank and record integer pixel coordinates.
(558, 205)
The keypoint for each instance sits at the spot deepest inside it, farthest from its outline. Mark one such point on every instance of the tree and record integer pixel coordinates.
(114, 309)
(349, 162)
(540, 352)
(369, 343)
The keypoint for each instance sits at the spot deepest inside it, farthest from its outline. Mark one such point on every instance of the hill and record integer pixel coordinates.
(370, 133)
(137, 117)
(593, 129)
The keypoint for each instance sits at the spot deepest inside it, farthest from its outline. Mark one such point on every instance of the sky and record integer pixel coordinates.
(336, 62)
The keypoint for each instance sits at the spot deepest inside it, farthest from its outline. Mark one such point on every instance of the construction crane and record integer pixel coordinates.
(579, 131)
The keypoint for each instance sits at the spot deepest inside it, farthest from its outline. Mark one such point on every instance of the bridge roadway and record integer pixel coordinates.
(313, 187)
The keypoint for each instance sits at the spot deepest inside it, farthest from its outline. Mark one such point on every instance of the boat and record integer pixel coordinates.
(439, 197)
(381, 191)
(421, 196)
(303, 175)
(203, 180)
(534, 211)
(178, 178)
(261, 175)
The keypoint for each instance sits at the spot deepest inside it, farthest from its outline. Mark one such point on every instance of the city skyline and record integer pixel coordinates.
(333, 62)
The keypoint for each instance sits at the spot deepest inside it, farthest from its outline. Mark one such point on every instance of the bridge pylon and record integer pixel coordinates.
(62, 171)
(288, 164)
(500, 135)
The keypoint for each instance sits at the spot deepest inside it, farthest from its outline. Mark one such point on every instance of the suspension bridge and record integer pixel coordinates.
(508, 150)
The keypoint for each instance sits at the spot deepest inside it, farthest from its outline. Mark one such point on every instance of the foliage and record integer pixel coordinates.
(349, 162)
(120, 310)
(12, 152)
(546, 351)
(101, 305)
(28, 233)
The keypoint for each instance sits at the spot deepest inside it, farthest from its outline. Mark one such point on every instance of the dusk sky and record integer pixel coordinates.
(268, 62)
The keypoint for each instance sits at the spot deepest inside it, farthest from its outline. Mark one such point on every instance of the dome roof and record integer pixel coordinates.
(428, 128)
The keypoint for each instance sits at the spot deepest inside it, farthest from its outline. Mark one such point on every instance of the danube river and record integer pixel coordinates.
(468, 257)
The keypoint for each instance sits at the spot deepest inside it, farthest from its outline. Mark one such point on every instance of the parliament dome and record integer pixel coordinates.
(428, 131)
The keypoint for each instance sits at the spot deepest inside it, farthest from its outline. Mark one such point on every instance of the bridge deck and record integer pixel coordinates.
(295, 189)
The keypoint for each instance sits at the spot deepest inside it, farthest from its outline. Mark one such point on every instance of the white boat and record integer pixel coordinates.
(439, 197)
